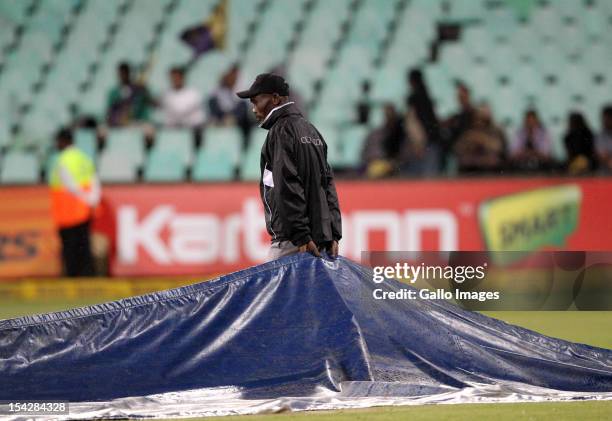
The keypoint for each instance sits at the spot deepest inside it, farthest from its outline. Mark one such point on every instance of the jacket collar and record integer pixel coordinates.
(276, 113)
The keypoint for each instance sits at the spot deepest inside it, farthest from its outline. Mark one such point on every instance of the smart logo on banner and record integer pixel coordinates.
(528, 221)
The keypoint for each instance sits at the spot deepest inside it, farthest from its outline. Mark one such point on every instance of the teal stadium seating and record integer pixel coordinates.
(214, 166)
(127, 142)
(86, 141)
(116, 167)
(4, 135)
(19, 167)
(164, 166)
(58, 61)
(249, 166)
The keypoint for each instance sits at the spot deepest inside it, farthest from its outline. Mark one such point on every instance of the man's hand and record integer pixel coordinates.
(311, 248)
(332, 249)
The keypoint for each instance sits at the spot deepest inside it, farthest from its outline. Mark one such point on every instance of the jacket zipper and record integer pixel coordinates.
(268, 205)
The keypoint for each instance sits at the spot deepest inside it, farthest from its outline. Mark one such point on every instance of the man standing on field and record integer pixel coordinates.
(75, 192)
(297, 184)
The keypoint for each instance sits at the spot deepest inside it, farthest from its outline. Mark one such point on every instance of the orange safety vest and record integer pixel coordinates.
(67, 209)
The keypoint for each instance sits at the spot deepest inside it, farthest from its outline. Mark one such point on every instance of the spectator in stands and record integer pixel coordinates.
(457, 124)
(75, 192)
(129, 102)
(531, 147)
(364, 105)
(226, 109)
(422, 125)
(604, 139)
(579, 145)
(182, 106)
(482, 146)
(383, 146)
(393, 133)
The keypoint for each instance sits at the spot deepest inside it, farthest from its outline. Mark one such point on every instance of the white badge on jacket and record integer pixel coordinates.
(267, 179)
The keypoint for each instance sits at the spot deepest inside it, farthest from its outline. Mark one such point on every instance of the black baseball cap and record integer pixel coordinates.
(266, 83)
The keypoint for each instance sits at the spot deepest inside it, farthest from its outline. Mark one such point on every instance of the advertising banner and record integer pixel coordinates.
(28, 241)
(217, 228)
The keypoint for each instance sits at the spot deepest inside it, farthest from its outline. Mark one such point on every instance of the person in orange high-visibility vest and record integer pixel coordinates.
(75, 192)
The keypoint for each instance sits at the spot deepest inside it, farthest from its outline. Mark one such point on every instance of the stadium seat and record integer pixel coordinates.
(406, 51)
(178, 142)
(223, 141)
(466, 10)
(332, 138)
(15, 10)
(481, 80)
(501, 22)
(40, 124)
(417, 24)
(117, 167)
(597, 58)
(549, 59)
(507, 105)
(342, 89)
(249, 166)
(331, 112)
(547, 21)
(456, 55)
(93, 102)
(126, 142)
(441, 87)
(557, 131)
(308, 61)
(213, 166)
(164, 165)
(19, 167)
(595, 22)
(523, 40)
(503, 60)
(389, 84)
(526, 79)
(572, 40)
(352, 139)
(49, 163)
(575, 81)
(553, 105)
(240, 14)
(212, 64)
(371, 23)
(86, 140)
(269, 42)
(7, 35)
(5, 137)
(305, 67)
(355, 63)
(431, 8)
(476, 40)
(64, 77)
(50, 18)
(377, 116)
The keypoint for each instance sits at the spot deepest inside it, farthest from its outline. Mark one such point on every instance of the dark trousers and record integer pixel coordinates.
(76, 250)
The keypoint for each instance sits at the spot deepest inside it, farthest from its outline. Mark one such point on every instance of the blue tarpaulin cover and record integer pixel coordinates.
(292, 327)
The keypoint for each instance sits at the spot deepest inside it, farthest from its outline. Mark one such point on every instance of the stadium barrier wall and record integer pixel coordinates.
(194, 229)
(28, 242)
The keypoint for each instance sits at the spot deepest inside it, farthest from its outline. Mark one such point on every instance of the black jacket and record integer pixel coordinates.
(297, 185)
